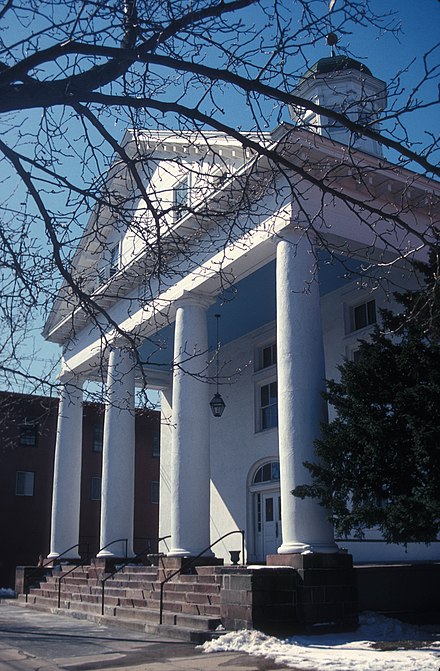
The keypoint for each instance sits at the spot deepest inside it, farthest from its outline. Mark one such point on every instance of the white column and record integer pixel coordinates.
(301, 379)
(67, 471)
(190, 467)
(117, 491)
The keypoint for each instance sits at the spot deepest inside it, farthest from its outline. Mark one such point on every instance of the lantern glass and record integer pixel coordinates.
(217, 405)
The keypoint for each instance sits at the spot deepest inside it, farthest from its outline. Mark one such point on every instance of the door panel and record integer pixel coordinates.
(271, 522)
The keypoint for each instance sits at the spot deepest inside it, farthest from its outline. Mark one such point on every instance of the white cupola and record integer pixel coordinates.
(344, 85)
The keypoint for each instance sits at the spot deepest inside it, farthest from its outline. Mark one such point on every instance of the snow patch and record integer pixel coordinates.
(352, 651)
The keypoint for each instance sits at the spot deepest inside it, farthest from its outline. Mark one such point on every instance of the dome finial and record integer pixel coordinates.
(332, 40)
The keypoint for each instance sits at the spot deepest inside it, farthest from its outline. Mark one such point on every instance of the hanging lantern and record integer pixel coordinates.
(217, 403)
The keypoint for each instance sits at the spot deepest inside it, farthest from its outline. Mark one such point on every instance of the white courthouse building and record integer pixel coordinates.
(297, 274)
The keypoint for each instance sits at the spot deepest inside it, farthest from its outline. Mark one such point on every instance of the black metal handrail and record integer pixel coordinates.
(50, 561)
(191, 562)
(84, 561)
(121, 566)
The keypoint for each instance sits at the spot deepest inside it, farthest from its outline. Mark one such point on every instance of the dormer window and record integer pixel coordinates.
(181, 198)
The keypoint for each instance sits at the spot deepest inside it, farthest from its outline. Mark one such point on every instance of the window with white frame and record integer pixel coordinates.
(362, 315)
(181, 198)
(269, 472)
(356, 355)
(24, 483)
(267, 355)
(268, 405)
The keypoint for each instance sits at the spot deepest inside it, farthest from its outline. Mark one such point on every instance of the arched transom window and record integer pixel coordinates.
(267, 473)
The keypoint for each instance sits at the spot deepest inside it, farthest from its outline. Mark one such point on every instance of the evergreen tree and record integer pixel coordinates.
(379, 460)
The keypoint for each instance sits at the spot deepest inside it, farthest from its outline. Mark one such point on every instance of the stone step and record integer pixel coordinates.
(138, 568)
(71, 580)
(92, 593)
(123, 584)
(210, 570)
(132, 574)
(150, 625)
(191, 602)
(95, 599)
(203, 579)
(188, 603)
(190, 621)
(201, 609)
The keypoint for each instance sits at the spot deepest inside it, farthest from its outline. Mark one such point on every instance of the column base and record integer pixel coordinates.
(182, 552)
(186, 564)
(57, 557)
(299, 548)
(316, 560)
(107, 564)
(120, 556)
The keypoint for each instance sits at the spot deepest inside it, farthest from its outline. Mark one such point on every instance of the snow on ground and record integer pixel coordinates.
(412, 648)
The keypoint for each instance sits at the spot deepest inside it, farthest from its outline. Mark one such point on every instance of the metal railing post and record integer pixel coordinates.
(161, 602)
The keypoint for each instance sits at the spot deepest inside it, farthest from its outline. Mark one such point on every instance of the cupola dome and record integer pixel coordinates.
(344, 85)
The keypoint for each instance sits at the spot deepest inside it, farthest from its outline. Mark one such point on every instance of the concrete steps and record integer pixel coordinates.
(191, 603)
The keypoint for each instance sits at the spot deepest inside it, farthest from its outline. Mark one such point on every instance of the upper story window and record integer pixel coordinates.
(155, 443)
(95, 487)
(110, 262)
(24, 483)
(114, 259)
(267, 355)
(28, 436)
(181, 198)
(268, 406)
(363, 314)
(98, 434)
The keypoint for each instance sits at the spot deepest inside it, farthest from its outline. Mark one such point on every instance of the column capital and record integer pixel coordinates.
(70, 377)
(116, 340)
(197, 298)
(294, 233)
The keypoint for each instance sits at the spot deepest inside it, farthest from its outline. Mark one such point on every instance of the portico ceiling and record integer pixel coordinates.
(243, 308)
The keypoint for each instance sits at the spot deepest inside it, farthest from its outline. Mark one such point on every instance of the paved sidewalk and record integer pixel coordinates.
(35, 641)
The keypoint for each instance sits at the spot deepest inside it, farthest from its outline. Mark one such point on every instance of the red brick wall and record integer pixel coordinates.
(25, 520)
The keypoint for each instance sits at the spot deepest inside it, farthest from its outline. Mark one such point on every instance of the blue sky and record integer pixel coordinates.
(385, 56)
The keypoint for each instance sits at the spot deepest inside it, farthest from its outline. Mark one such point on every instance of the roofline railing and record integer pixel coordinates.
(191, 562)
